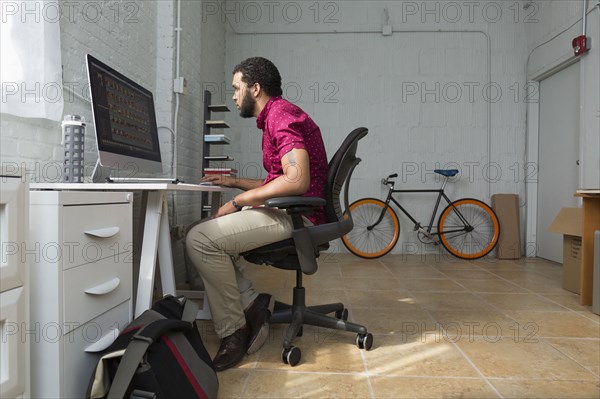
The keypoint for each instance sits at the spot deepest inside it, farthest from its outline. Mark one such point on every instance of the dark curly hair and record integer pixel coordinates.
(262, 71)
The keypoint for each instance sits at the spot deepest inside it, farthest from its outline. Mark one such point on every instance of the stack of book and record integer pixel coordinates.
(215, 158)
(216, 139)
(220, 171)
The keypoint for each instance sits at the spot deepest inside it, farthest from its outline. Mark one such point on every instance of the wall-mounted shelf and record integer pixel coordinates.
(218, 158)
(218, 108)
(217, 124)
(210, 203)
(216, 139)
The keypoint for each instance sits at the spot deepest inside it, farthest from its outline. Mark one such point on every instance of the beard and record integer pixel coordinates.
(247, 106)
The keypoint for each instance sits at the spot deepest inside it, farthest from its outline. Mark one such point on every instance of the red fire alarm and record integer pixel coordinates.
(580, 45)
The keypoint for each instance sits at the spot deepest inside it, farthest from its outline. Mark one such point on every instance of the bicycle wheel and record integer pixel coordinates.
(468, 228)
(380, 239)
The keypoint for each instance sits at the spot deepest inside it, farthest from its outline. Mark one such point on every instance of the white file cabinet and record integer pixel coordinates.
(81, 285)
(14, 303)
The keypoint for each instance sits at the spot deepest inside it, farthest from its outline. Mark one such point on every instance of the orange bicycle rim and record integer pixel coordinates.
(388, 247)
(491, 244)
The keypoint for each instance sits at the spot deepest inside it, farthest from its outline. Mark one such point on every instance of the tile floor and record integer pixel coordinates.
(442, 328)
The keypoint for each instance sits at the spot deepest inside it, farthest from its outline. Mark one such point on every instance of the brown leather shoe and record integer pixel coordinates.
(257, 315)
(232, 350)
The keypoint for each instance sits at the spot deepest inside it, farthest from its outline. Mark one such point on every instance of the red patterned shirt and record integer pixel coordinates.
(285, 126)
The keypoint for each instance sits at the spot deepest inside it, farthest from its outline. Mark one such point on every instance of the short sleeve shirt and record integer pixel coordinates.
(285, 127)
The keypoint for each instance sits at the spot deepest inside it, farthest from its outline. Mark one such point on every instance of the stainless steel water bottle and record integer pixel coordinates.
(74, 145)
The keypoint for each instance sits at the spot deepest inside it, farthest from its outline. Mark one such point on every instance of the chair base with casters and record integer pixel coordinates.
(300, 253)
(298, 314)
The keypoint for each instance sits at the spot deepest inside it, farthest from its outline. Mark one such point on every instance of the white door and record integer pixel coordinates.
(558, 173)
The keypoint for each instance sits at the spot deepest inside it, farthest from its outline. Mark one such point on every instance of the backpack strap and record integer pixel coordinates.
(190, 310)
(137, 348)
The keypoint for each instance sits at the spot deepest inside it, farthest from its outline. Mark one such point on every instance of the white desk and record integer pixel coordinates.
(156, 238)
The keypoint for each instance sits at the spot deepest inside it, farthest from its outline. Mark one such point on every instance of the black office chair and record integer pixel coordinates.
(300, 252)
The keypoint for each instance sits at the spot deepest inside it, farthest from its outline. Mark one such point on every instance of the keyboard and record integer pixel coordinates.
(198, 184)
(141, 180)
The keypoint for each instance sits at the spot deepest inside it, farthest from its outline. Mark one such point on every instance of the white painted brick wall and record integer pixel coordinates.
(119, 33)
(202, 40)
(122, 36)
(137, 38)
(550, 42)
(343, 80)
(411, 132)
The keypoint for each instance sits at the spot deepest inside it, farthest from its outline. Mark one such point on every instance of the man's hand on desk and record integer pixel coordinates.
(220, 180)
(234, 182)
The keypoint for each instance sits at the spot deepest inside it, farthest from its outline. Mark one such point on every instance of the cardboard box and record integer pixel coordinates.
(569, 223)
(506, 207)
(596, 285)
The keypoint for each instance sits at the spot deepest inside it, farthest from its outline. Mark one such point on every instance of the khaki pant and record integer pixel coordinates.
(212, 243)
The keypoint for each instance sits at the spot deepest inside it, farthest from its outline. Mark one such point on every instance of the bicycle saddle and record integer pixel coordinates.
(446, 172)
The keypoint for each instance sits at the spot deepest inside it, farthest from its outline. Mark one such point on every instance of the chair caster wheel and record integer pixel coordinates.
(342, 314)
(364, 341)
(291, 356)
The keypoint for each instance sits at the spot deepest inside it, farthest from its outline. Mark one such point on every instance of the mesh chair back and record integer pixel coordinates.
(341, 166)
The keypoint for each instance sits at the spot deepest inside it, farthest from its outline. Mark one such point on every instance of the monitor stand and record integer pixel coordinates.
(97, 178)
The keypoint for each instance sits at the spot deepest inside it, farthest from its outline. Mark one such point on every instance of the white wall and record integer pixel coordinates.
(445, 90)
(549, 44)
(138, 39)
(122, 35)
(420, 91)
(202, 62)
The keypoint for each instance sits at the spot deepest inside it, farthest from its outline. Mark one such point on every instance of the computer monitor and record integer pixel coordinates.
(125, 121)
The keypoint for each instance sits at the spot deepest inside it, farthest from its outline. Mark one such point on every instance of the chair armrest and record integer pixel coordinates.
(290, 202)
(296, 207)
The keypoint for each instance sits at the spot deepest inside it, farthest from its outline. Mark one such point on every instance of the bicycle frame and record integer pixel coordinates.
(417, 224)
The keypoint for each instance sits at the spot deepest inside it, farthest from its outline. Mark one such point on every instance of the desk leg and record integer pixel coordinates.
(154, 209)
(165, 255)
(591, 223)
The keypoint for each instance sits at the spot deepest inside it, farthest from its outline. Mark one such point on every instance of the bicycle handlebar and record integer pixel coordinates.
(385, 181)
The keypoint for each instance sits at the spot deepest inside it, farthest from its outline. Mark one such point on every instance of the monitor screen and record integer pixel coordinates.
(125, 121)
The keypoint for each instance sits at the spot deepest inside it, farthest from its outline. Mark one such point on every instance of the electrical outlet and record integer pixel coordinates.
(177, 232)
(180, 85)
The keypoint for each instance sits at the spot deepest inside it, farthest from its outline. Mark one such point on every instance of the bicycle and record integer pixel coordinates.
(467, 228)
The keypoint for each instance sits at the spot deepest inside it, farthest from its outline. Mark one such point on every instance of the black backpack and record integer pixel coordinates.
(159, 355)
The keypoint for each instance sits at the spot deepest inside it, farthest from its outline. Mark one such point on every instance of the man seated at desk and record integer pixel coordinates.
(296, 164)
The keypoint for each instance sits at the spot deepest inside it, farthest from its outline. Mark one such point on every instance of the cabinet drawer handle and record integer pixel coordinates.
(103, 342)
(104, 288)
(103, 233)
